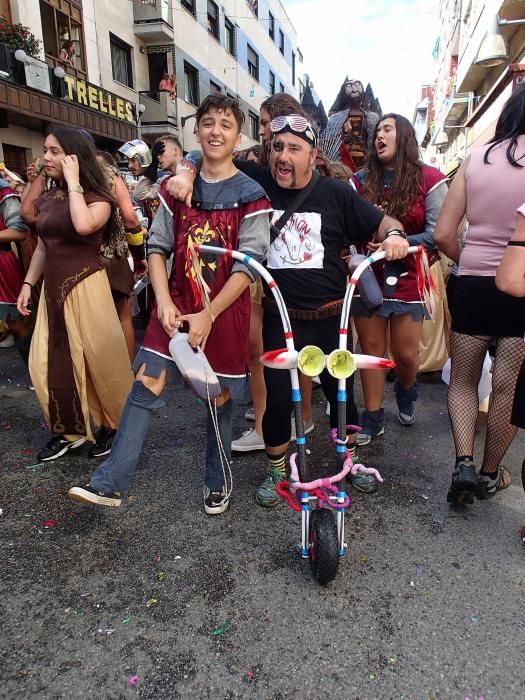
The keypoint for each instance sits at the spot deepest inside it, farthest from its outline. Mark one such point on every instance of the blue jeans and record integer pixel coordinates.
(118, 470)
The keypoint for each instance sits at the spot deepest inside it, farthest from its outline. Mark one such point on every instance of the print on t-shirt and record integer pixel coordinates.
(299, 244)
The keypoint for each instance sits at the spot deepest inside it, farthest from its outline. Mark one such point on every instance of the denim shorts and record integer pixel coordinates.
(390, 308)
(155, 363)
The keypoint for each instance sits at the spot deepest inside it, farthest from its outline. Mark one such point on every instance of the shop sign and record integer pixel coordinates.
(100, 100)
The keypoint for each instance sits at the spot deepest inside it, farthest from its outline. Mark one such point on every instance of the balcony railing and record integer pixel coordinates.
(152, 20)
(160, 112)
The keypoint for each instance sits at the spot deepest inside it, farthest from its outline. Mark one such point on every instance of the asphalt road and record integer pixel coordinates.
(157, 600)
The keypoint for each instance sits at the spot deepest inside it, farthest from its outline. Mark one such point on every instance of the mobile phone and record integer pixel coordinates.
(38, 166)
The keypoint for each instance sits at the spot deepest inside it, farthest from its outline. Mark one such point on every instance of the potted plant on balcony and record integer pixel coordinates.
(16, 36)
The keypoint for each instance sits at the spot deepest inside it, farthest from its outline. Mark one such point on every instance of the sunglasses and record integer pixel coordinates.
(294, 121)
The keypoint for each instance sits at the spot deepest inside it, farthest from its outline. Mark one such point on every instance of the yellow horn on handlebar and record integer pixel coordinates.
(311, 360)
(340, 364)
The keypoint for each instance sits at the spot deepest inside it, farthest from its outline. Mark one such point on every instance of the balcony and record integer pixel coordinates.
(456, 108)
(159, 115)
(152, 21)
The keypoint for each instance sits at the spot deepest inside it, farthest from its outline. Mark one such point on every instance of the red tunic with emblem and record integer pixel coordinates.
(414, 222)
(11, 276)
(242, 204)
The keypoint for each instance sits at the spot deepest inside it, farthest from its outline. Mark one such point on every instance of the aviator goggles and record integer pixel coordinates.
(294, 124)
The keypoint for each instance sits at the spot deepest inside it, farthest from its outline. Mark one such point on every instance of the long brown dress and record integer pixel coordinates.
(79, 364)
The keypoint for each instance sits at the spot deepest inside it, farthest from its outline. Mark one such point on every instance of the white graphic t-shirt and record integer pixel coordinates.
(299, 245)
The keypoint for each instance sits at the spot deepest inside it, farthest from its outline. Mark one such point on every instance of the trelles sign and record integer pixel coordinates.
(100, 100)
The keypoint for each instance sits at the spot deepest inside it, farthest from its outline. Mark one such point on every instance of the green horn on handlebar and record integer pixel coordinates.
(340, 364)
(311, 360)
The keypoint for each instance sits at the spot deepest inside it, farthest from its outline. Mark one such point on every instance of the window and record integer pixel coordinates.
(63, 25)
(281, 41)
(214, 88)
(254, 126)
(253, 5)
(121, 61)
(271, 82)
(293, 68)
(213, 19)
(301, 90)
(253, 63)
(189, 5)
(271, 26)
(191, 84)
(281, 87)
(229, 37)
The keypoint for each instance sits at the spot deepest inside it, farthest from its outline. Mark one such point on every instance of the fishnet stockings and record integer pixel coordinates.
(467, 356)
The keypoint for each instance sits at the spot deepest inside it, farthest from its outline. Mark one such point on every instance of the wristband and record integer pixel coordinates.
(28, 283)
(137, 251)
(395, 232)
(517, 243)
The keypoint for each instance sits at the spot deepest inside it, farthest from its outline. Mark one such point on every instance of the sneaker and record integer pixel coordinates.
(464, 483)
(103, 441)
(372, 426)
(487, 487)
(215, 502)
(266, 494)
(308, 427)
(406, 402)
(57, 447)
(87, 494)
(363, 482)
(316, 382)
(250, 441)
(327, 409)
(7, 342)
(250, 413)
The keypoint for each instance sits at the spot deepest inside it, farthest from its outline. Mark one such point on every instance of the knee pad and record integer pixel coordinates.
(142, 397)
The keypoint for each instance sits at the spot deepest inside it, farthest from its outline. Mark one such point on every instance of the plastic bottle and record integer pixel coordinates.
(194, 367)
(367, 285)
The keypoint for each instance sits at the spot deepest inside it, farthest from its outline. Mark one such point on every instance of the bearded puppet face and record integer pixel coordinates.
(354, 89)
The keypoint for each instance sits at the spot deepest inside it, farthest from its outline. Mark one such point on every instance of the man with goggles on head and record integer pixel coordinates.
(305, 260)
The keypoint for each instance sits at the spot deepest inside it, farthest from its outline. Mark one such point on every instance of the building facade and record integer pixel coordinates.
(123, 49)
(480, 59)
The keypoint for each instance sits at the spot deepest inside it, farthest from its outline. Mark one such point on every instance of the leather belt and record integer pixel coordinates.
(332, 308)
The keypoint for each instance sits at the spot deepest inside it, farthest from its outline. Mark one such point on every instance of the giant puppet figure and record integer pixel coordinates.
(350, 126)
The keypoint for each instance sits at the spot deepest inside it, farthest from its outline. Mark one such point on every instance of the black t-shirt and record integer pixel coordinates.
(305, 259)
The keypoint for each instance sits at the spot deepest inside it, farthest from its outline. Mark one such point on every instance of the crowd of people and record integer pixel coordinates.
(291, 208)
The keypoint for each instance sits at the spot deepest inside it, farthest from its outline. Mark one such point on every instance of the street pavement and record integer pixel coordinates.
(156, 600)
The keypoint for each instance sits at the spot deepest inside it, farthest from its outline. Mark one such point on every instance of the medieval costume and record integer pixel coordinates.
(350, 126)
(11, 276)
(232, 213)
(78, 363)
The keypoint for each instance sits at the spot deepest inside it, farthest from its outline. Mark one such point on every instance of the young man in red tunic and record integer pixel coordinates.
(228, 210)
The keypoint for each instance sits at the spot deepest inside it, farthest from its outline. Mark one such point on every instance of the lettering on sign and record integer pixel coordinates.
(100, 100)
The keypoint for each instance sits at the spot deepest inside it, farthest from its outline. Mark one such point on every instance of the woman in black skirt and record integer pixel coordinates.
(488, 189)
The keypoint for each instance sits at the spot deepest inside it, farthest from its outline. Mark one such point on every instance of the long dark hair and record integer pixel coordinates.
(408, 177)
(91, 177)
(510, 125)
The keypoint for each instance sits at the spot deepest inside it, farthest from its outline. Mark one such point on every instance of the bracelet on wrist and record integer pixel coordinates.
(395, 232)
(28, 283)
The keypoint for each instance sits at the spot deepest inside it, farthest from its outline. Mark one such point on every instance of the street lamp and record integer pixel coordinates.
(493, 49)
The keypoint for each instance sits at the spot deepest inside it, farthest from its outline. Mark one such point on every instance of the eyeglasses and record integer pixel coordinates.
(295, 121)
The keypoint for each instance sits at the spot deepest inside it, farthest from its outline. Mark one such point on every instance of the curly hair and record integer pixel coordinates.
(408, 178)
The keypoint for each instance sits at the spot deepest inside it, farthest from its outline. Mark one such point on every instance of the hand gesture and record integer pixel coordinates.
(70, 170)
(395, 247)
(168, 315)
(181, 187)
(23, 300)
(141, 269)
(200, 328)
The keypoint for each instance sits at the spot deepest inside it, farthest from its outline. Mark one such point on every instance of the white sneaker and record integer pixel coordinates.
(250, 413)
(7, 342)
(327, 409)
(308, 427)
(250, 441)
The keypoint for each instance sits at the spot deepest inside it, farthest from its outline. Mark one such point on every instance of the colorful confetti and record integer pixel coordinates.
(151, 602)
(49, 523)
(161, 576)
(220, 630)
(133, 680)
(127, 620)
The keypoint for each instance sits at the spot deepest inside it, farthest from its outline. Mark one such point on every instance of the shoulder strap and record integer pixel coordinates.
(275, 229)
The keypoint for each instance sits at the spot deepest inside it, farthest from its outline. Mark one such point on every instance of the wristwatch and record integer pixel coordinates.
(77, 188)
(395, 232)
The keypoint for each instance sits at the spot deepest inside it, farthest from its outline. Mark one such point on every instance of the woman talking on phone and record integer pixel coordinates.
(78, 361)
